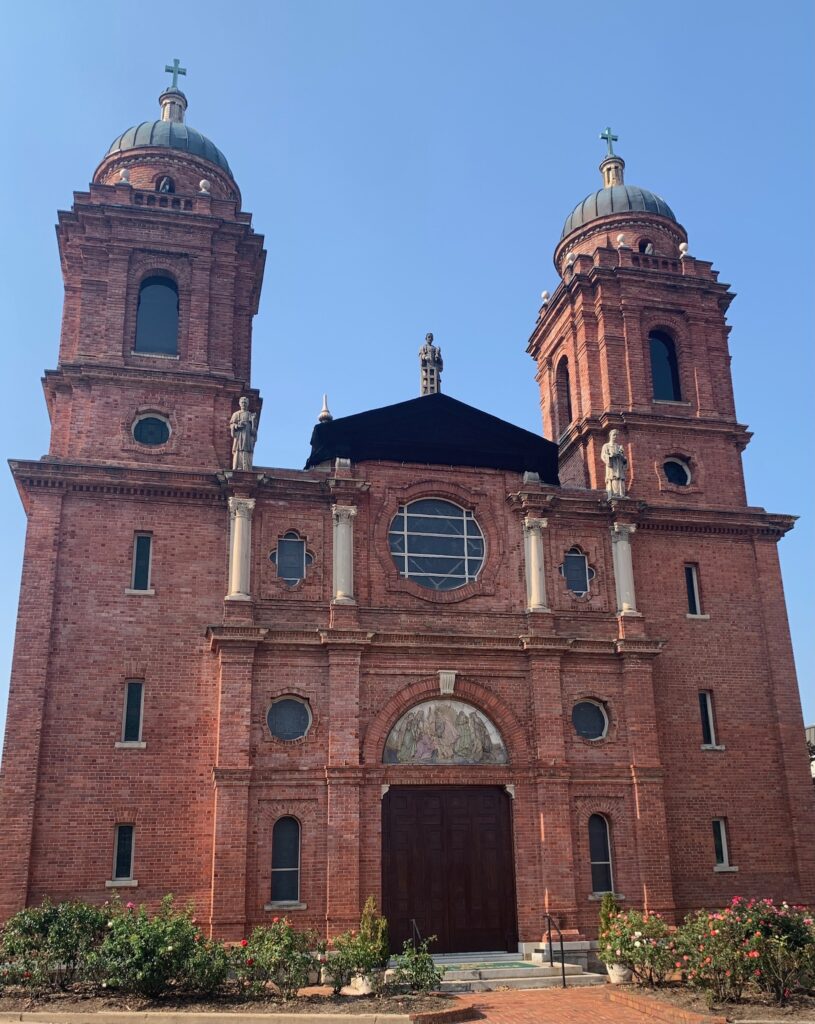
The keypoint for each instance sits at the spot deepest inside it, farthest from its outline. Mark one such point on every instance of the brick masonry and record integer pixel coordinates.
(206, 790)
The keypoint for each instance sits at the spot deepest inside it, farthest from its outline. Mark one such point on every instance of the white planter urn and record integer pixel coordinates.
(619, 974)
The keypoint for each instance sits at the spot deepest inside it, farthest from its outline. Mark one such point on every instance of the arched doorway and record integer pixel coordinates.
(447, 851)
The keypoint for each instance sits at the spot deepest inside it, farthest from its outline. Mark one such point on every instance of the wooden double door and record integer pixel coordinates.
(447, 863)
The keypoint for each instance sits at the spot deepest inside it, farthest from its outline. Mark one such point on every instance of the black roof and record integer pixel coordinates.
(435, 430)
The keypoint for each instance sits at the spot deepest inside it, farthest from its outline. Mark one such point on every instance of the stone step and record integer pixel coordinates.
(487, 956)
(496, 973)
(572, 981)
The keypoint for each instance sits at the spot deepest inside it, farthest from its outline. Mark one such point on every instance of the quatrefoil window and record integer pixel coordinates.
(291, 558)
(577, 572)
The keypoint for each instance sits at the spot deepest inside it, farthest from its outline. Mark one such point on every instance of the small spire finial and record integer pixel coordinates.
(325, 416)
(431, 365)
(175, 70)
(606, 135)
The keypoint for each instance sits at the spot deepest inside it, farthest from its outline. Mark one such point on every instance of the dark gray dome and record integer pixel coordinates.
(172, 135)
(617, 199)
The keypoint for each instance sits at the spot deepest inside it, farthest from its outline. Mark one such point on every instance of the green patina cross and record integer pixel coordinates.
(175, 70)
(609, 138)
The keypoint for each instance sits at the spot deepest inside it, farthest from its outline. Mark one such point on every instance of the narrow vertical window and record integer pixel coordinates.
(123, 853)
(142, 557)
(664, 367)
(577, 572)
(600, 854)
(720, 848)
(157, 317)
(708, 726)
(132, 720)
(563, 396)
(692, 588)
(286, 861)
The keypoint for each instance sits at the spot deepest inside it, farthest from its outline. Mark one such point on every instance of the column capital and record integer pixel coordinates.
(241, 507)
(532, 523)
(620, 531)
(343, 513)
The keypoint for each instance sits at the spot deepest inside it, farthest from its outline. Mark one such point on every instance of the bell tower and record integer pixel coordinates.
(162, 275)
(635, 339)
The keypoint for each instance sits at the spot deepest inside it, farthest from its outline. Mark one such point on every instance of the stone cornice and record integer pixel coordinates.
(241, 635)
(136, 374)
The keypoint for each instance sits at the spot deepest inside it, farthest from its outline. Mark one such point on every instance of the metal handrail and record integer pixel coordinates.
(550, 922)
(416, 933)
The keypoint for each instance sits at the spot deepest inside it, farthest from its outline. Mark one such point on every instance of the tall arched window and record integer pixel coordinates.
(157, 316)
(664, 367)
(286, 861)
(600, 854)
(563, 397)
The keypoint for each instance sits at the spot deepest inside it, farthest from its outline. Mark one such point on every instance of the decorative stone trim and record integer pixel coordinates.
(447, 681)
(121, 883)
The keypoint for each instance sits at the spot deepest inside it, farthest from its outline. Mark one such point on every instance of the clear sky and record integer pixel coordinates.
(411, 165)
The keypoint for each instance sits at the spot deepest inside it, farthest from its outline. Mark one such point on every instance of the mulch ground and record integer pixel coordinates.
(311, 1000)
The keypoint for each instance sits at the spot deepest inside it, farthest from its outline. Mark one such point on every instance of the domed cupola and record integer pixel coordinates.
(168, 155)
(624, 215)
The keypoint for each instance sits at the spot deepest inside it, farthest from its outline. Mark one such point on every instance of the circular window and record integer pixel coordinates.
(289, 718)
(590, 720)
(151, 430)
(436, 544)
(677, 472)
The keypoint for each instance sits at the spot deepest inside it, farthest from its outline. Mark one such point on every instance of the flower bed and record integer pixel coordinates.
(122, 949)
(751, 947)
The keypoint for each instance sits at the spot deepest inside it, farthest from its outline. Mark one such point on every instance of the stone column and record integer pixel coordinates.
(240, 548)
(533, 552)
(623, 567)
(343, 516)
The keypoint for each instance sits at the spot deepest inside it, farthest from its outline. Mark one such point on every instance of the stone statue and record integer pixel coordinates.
(244, 431)
(616, 463)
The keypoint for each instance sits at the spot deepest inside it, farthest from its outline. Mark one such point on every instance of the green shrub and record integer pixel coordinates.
(415, 968)
(373, 929)
(276, 954)
(207, 967)
(144, 954)
(609, 909)
(50, 947)
(710, 951)
(642, 942)
(353, 953)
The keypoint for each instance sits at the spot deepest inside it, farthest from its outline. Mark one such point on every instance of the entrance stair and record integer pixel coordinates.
(487, 972)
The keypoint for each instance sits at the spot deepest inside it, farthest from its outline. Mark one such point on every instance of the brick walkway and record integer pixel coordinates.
(553, 1006)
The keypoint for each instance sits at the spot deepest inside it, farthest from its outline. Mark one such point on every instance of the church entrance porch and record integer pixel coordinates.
(447, 863)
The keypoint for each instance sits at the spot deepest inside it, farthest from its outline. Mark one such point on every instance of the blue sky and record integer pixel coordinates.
(411, 165)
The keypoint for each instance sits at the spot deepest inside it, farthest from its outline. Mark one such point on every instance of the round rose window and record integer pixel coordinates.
(436, 544)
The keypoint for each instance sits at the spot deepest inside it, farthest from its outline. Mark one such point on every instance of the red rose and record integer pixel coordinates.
(244, 942)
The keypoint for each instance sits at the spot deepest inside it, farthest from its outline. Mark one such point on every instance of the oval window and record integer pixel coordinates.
(436, 544)
(151, 430)
(289, 719)
(589, 720)
(677, 472)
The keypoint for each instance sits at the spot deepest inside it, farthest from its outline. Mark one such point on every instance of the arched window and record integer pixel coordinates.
(157, 316)
(286, 861)
(646, 246)
(600, 854)
(577, 572)
(563, 397)
(664, 367)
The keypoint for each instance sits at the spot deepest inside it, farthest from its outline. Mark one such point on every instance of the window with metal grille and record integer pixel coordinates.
(286, 861)
(436, 544)
(600, 854)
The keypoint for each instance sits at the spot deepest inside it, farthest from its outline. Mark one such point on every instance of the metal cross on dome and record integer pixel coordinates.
(175, 70)
(606, 135)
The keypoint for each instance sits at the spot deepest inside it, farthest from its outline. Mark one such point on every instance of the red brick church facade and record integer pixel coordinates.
(235, 685)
